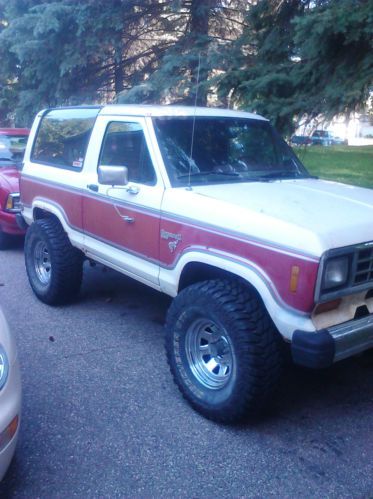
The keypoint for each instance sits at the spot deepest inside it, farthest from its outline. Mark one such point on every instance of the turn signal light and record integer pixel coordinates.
(294, 277)
(9, 432)
(327, 306)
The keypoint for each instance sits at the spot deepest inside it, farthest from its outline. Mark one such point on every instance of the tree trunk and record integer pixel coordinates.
(118, 71)
(198, 39)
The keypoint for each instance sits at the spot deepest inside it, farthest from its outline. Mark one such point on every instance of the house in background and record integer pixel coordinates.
(357, 128)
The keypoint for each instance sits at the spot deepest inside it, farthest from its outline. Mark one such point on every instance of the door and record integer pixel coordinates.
(122, 224)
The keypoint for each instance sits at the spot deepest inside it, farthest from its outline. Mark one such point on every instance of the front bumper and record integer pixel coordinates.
(322, 348)
(8, 224)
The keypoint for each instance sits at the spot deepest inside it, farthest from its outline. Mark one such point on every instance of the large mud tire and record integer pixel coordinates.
(54, 267)
(223, 350)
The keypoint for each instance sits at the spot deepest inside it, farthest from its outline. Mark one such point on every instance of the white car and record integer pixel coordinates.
(10, 396)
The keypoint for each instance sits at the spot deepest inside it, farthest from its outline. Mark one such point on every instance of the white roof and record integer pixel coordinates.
(150, 110)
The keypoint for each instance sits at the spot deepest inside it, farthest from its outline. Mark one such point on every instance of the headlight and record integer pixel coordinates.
(336, 273)
(13, 202)
(4, 367)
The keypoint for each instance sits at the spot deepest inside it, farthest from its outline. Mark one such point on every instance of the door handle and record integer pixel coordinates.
(93, 187)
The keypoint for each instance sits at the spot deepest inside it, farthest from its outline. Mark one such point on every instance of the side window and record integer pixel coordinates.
(124, 145)
(63, 137)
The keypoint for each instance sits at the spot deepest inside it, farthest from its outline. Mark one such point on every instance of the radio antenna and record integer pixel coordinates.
(194, 122)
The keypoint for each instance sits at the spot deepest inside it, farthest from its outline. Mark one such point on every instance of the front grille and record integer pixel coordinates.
(364, 266)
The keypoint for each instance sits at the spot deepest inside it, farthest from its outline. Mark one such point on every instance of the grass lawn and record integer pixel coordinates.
(348, 164)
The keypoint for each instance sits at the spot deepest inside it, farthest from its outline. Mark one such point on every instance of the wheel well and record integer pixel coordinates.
(39, 213)
(196, 272)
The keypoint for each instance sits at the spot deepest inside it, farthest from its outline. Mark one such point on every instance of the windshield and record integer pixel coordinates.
(224, 150)
(12, 149)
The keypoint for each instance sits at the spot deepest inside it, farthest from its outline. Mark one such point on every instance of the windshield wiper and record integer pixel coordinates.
(205, 174)
(283, 174)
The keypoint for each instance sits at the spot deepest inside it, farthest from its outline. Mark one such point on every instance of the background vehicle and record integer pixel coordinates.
(326, 138)
(213, 208)
(12, 146)
(10, 396)
(301, 140)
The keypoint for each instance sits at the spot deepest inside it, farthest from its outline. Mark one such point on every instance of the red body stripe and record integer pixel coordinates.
(104, 219)
(69, 200)
(275, 264)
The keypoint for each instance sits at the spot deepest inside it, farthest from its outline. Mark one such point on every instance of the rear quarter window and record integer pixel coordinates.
(63, 136)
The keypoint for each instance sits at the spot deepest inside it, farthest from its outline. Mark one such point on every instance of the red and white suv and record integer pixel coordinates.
(213, 208)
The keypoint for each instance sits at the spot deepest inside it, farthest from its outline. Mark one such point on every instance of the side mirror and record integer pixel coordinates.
(112, 175)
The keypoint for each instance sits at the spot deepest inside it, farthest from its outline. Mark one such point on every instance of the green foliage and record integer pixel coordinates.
(77, 52)
(336, 56)
(302, 57)
(188, 69)
(281, 58)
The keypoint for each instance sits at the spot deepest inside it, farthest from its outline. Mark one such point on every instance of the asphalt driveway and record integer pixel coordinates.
(102, 418)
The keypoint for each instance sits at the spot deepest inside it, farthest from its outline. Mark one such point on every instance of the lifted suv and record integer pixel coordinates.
(213, 208)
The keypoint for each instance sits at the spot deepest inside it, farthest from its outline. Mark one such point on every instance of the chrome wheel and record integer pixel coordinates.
(54, 267)
(209, 353)
(42, 262)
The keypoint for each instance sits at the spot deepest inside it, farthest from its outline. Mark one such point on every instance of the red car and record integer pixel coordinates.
(12, 146)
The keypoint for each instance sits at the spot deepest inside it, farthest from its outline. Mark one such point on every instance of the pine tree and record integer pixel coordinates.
(299, 57)
(80, 52)
(206, 29)
(281, 58)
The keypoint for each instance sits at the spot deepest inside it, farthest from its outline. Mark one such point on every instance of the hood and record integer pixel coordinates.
(9, 178)
(306, 215)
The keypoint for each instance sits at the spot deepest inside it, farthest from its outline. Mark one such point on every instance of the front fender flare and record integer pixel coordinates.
(286, 318)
